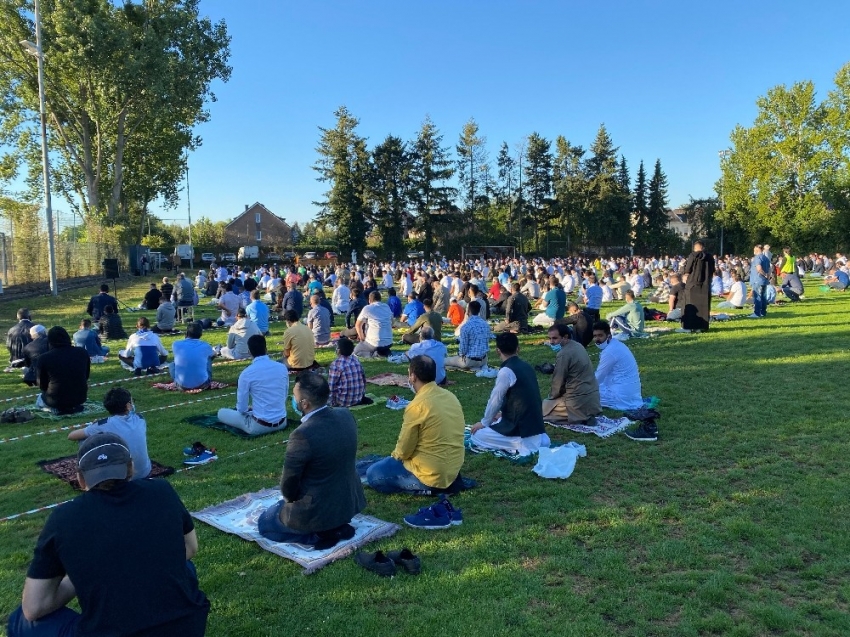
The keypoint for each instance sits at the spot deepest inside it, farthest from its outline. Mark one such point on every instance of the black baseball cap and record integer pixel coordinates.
(102, 457)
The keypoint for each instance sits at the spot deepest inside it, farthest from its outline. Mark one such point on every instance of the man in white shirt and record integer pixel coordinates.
(228, 304)
(374, 327)
(135, 354)
(387, 281)
(617, 372)
(341, 297)
(737, 295)
(265, 384)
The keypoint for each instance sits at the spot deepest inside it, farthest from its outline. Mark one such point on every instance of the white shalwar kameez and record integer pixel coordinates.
(618, 378)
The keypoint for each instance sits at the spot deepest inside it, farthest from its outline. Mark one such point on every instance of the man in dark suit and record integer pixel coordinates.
(98, 303)
(320, 487)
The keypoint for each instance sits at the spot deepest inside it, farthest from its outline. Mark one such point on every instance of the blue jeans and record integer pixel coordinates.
(60, 623)
(271, 528)
(760, 300)
(390, 476)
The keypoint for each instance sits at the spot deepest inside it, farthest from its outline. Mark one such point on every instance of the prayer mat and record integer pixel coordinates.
(376, 400)
(66, 470)
(214, 384)
(499, 453)
(211, 421)
(90, 407)
(239, 517)
(388, 379)
(605, 427)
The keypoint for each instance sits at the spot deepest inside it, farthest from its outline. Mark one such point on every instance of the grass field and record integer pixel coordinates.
(736, 522)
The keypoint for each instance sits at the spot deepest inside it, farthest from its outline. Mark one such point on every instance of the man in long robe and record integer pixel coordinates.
(617, 372)
(698, 272)
(574, 392)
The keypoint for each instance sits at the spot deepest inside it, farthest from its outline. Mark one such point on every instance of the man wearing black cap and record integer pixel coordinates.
(122, 549)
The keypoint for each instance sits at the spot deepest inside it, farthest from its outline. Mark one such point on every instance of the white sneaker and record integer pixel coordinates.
(623, 337)
(753, 316)
(682, 330)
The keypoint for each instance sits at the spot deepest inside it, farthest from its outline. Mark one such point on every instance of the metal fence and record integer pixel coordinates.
(26, 261)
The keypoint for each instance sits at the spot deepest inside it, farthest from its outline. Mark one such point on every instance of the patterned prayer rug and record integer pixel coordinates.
(214, 384)
(66, 470)
(605, 427)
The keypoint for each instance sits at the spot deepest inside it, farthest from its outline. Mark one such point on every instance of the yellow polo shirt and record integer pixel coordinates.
(430, 444)
(298, 339)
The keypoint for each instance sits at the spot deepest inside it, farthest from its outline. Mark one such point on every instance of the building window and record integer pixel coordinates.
(257, 217)
(259, 235)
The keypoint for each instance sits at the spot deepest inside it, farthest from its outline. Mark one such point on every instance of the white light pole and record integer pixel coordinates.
(35, 49)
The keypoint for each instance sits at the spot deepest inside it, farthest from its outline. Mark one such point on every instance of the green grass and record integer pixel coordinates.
(735, 523)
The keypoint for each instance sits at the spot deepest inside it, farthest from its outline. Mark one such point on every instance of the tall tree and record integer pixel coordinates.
(112, 74)
(658, 232)
(344, 165)
(430, 170)
(390, 189)
(538, 180)
(506, 181)
(641, 212)
(570, 185)
(608, 222)
(471, 168)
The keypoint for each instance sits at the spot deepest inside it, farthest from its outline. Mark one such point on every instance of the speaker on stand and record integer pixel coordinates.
(110, 271)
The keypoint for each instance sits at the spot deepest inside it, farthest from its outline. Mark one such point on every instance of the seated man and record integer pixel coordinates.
(98, 303)
(455, 313)
(260, 394)
(374, 328)
(341, 297)
(617, 372)
(517, 308)
(166, 317)
(192, 366)
(661, 292)
(629, 317)
(676, 298)
(37, 346)
(429, 451)
(620, 287)
(244, 328)
(430, 318)
(394, 303)
(89, 545)
(17, 338)
(553, 304)
(837, 279)
(592, 297)
(346, 378)
(153, 298)
(89, 340)
(319, 321)
(356, 304)
(433, 349)
(292, 300)
(110, 324)
(574, 393)
(184, 292)
(228, 304)
(299, 348)
(63, 375)
(320, 487)
(513, 418)
(144, 351)
(580, 322)
(413, 310)
(258, 312)
(737, 295)
(125, 422)
(474, 340)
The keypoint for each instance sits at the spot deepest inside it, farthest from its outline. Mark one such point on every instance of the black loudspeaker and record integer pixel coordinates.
(110, 268)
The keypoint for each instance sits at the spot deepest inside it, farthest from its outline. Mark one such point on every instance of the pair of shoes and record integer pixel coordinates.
(754, 315)
(196, 449)
(545, 368)
(440, 515)
(208, 455)
(644, 432)
(152, 370)
(644, 413)
(137, 371)
(487, 372)
(397, 402)
(386, 565)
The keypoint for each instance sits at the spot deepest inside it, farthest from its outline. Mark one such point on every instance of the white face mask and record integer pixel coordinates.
(603, 344)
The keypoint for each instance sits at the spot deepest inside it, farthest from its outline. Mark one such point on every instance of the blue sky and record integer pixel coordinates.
(670, 80)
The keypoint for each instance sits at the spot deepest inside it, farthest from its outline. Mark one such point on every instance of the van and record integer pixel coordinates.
(249, 252)
(184, 251)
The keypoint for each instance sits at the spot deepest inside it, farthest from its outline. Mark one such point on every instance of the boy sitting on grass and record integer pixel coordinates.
(125, 422)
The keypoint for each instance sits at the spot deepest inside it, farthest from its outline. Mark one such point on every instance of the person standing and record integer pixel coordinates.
(98, 303)
(698, 272)
(18, 337)
(759, 280)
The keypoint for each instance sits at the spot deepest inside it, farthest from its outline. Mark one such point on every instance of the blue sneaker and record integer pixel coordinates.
(208, 455)
(433, 517)
(455, 515)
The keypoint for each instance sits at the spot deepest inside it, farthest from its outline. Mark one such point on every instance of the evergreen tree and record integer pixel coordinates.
(390, 188)
(430, 169)
(641, 212)
(471, 169)
(658, 232)
(344, 164)
(538, 180)
(570, 185)
(608, 222)
(505, 184)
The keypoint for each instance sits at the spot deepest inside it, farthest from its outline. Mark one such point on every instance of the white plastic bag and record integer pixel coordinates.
(559, 462)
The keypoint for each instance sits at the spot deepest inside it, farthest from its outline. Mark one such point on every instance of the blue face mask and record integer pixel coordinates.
(295, 407)
(555, 348)
(602, 345)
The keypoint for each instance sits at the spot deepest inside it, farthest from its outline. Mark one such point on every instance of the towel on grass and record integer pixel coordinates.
(604, 428)
(214, 384)
(239, 517)
(90, 407)
(66, 470)
(210, 421)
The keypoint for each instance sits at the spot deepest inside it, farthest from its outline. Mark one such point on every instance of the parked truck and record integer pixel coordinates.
(249, 253)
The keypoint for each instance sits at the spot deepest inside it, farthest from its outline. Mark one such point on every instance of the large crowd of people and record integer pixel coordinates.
(454, 315)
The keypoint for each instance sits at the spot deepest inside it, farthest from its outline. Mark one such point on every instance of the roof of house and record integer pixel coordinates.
(251, 209)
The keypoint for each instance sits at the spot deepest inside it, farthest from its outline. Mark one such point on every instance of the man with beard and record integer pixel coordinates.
(698, 270)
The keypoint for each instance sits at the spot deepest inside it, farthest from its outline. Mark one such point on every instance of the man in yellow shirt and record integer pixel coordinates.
(429, 451)
(299, 348)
